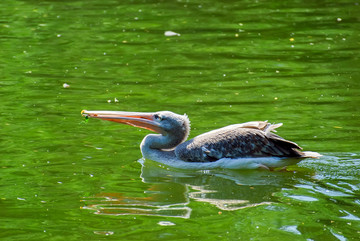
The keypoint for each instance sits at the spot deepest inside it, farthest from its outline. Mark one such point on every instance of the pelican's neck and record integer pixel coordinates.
(159, 146)
(154, 144)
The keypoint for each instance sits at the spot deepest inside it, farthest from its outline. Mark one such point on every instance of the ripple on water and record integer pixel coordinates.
(291, 229)
(349, 216)
(339, 166)
(304, 198)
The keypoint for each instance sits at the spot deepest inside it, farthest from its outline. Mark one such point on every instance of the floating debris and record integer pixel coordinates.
(85, 116)
(106, 233)
(166, 223)
(171, 33)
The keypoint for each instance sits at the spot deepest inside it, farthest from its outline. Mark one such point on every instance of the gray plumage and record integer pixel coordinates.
(251, 139)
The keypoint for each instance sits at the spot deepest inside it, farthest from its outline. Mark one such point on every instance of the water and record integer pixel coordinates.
(294, 62)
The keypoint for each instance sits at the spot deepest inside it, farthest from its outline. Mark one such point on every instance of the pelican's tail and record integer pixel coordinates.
(311, 154)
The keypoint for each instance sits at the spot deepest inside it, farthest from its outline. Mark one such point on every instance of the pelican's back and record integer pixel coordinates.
(251, 139)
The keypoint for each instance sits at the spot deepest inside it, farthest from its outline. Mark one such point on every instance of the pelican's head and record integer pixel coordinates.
(163, 122)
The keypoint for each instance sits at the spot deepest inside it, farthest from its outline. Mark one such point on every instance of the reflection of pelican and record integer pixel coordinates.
(241, 146)
(170, 192)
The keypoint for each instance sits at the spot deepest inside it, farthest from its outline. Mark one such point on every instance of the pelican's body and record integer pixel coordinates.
(249, 145)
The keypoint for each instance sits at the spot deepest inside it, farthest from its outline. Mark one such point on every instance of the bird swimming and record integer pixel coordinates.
(249, 145)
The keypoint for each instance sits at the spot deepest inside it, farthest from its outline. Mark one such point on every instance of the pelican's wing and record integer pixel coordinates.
(251, 139)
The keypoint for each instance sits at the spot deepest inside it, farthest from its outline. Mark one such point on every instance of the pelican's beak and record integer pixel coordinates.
(138, 119)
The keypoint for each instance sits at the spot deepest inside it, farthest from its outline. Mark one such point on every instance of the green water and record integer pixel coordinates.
(295, 62)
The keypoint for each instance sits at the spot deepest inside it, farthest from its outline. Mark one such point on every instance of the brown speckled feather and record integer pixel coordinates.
(251, 139)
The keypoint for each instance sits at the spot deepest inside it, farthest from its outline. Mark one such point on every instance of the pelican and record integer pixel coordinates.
(249, 145)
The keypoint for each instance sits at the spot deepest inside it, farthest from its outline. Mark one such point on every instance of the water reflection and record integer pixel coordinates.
(119, 204)
(170, 191)
(167, 192)
(297, 202)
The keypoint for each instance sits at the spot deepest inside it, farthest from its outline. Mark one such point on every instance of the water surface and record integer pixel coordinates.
(295, 62)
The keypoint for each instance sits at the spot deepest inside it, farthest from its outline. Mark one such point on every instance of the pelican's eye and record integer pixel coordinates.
(157, 117)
